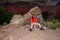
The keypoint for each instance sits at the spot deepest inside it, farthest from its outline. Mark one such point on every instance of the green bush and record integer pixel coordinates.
(55, 21)
(53, 24)
(5, 17)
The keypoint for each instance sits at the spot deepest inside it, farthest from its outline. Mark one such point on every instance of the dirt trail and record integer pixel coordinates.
(18, 33)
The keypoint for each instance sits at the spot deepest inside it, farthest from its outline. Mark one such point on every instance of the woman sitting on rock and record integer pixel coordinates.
(33, 20)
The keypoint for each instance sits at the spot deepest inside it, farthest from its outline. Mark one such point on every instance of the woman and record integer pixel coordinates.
(33, 20)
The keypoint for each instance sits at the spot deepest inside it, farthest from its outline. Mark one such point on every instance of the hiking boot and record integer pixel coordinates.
(30, 29)
(42, 29)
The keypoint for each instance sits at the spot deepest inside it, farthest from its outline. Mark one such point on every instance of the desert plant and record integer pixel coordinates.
(5, 17)
(53, 24)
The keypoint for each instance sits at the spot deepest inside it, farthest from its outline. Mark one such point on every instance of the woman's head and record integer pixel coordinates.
(33, 16)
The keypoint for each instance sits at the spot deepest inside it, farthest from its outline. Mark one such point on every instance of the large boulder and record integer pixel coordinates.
(24, 20)
(17, 19)
(36, 10)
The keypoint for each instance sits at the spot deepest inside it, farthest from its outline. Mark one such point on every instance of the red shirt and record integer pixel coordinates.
(33, 20)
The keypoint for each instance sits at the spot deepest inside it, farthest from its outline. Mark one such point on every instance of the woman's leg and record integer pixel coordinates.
(39, 25)
(31, 26)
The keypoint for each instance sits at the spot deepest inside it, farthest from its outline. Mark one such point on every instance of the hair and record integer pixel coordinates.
(33, 15)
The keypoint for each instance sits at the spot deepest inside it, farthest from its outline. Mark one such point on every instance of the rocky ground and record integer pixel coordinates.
(15, 32)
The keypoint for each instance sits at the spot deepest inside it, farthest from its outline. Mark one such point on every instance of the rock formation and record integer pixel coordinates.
(18, 19)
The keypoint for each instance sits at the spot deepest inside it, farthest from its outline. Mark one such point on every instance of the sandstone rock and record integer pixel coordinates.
(16, 19)
(36, 10)
(27, 15)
